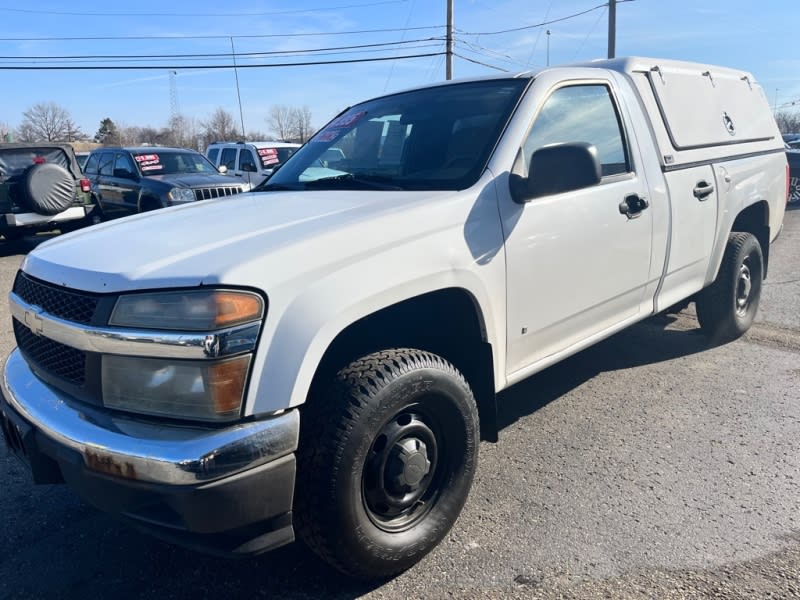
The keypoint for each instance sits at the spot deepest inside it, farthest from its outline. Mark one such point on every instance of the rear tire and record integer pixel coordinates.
(386, 460)
(726, 309)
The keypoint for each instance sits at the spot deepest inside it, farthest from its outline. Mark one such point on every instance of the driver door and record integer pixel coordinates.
(576, 265)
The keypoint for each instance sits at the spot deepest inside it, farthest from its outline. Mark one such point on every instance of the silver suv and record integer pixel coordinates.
(251, 162)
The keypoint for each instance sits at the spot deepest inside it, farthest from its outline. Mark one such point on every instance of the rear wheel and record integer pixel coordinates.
(386, 461)
(726, 309)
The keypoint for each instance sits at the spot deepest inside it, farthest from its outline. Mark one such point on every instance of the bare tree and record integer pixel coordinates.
(788, 122)
(280, 121)
(220, 127)
(6, 132)
(46, 122)
(301, 124)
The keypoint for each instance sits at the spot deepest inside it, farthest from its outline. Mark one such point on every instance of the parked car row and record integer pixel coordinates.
(46, 187)
(126, 181)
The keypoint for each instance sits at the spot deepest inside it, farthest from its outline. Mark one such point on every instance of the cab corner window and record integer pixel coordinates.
(581, 113)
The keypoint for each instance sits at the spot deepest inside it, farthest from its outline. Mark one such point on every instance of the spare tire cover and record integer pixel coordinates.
(49, 189)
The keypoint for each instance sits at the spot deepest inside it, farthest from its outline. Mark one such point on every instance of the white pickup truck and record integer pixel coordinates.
(323, 357)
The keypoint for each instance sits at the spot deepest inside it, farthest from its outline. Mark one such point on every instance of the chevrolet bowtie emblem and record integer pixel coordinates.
(34, 321)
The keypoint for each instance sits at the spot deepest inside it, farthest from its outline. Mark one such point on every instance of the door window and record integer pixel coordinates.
(246, 161)
(228, 158)
(123, 165)
(580, 113)
(212, 155)
(107, 164)
(91, 164)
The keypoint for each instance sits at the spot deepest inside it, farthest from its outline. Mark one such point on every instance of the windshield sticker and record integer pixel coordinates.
(347, 120)
(148, 162)
(269, 156)
(339, 127)
(327, 136)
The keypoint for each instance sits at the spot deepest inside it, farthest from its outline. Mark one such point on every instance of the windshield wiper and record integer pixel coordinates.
(378, 182)
(275, 187)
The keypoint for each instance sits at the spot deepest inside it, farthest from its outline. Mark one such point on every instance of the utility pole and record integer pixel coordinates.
(612, 28)
(449, 57)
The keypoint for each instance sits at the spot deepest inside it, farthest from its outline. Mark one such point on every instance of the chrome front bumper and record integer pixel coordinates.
(145, 451)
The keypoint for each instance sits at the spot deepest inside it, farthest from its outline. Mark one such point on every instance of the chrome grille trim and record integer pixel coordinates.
(194, 345)
(216, 192)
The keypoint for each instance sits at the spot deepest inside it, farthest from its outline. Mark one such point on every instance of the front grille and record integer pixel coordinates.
(216, 192)
(59, 302)
(51, 356)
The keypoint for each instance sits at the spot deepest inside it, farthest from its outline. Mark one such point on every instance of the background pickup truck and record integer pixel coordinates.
(324, 356)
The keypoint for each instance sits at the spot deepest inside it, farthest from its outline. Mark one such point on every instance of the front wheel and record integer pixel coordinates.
(386, 460)
(726, 309)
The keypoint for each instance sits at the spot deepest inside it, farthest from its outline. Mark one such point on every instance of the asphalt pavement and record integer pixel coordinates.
(652, 465)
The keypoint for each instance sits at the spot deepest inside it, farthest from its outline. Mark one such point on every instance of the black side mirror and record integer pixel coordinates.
(557, 169)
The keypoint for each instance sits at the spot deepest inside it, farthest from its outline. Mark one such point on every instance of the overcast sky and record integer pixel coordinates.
(760, 37)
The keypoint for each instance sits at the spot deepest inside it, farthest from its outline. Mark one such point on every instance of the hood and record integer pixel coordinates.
(195, 179)
(273, 234)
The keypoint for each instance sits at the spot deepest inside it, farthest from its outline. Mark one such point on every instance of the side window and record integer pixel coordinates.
(213, 153)
(246, 161)
(90, 168)
(581, 113)
(107, 164)
(123, 163)
(228, 158)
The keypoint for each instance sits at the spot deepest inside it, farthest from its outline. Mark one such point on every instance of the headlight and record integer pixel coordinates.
(181, 195)
(210, 388)
(207, 391)
(194, 310)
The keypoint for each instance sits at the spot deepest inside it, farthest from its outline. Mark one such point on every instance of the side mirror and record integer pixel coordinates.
(557, 169)
(222, 169)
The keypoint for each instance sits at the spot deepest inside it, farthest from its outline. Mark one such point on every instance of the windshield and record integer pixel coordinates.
(436, 138)
(153, 162)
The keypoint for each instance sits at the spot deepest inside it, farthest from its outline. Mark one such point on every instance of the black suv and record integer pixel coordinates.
(132, 180)
(41, 189)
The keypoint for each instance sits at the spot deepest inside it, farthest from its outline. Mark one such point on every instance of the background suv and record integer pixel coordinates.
(132, 180)
(41, 189)
(251, 162)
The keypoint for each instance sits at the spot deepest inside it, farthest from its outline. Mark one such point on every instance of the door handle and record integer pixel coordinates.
(703, 190)
(633, 205)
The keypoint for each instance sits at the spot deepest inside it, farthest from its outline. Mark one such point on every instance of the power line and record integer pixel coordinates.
(163, 58)
(185, 67)
(214, 55)
(211, 37)
(477, 62)
(543, 23)
(184, 15)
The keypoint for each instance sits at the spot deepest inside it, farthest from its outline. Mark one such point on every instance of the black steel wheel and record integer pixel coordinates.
(726, 309)
(387, 457)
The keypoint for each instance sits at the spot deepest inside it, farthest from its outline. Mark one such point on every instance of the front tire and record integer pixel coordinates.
(726, 309)
(386, 461)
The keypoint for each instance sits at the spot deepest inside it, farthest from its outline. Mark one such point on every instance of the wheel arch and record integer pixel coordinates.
(753, 219)
(448, 322)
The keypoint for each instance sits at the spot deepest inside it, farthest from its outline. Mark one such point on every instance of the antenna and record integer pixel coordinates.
(174, 109)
